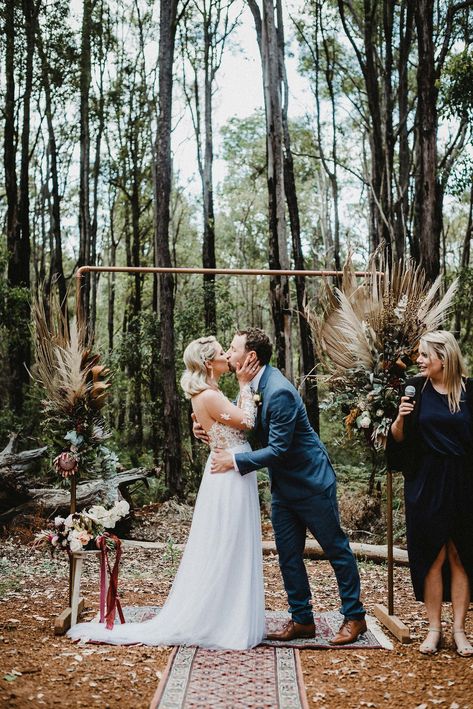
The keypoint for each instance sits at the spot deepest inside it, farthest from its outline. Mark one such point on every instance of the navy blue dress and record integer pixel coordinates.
(439, 497)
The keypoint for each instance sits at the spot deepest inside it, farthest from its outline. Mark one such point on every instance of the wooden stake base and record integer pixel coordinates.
(392, 623)
(63, 621)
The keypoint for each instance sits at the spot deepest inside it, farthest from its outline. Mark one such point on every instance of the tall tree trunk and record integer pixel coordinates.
(162, 170)
(112, 279)
(267, 34)
(84, 187)
(309, 382)
(402, 234)
(208, 244)
(100, 115)
(10, 144)
(428, 198)
(18, 204)
(380, 130)
(56, 269)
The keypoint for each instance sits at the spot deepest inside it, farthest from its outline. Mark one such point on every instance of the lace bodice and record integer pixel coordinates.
(224, 436)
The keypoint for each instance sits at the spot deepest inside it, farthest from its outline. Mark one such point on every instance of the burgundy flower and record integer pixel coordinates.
(66, 464)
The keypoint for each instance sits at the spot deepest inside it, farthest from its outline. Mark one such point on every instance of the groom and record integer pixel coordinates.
(303, 491)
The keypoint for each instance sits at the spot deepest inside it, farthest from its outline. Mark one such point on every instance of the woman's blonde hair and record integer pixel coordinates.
(196, 354)
(443, 344)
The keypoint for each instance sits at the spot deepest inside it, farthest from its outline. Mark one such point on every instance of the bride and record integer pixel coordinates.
(217, 598)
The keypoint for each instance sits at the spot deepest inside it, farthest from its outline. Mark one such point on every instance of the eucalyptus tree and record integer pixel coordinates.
(385, 67)
(172, 456)
(57, 63)
(20, 25)
(131, 106)
(268, 28)
(204, 31)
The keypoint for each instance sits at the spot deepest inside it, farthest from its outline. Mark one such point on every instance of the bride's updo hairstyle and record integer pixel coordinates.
(196, 354)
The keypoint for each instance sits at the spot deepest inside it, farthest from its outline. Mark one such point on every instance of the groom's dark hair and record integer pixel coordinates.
(259, 342)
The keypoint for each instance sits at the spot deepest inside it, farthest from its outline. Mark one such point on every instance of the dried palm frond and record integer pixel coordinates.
(368, 335)
(65, 367)
(381, 318)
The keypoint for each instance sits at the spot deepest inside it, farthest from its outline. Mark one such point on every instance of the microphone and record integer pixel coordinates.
(410, 391)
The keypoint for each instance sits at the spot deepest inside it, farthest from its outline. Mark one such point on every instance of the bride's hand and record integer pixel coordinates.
(247, 371)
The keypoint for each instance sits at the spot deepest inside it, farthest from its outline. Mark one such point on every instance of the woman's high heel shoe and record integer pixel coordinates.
(428, 647)
(464, 649)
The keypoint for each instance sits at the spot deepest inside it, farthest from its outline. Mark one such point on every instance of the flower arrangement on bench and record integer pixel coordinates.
(83, 531)
(88, 531)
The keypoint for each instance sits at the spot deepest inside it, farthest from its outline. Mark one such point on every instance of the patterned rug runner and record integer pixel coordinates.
(262, 678)
(326, 625)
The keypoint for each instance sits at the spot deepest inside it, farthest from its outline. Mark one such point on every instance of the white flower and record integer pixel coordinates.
(68, 522)
(97, 513)
(122, 507)
(75, 543)
(58, 521)
(365, 421)
(379, 413)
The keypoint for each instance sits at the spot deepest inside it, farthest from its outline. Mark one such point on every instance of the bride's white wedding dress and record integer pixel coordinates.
(217, 598)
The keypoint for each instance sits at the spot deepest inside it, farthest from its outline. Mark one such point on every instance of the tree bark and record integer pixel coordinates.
(208, 244)
(56, 272)
(402, 233)
(428, 197)
(309, 382)
(18, 204)
(267, 33)
(162, 171)
(84, 169)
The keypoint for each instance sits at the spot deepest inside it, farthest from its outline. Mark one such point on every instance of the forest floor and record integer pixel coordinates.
(39, 669)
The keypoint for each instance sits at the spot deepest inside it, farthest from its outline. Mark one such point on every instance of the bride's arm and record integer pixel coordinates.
(219, 408)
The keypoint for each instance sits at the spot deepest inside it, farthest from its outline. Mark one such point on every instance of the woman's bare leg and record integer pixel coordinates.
(460, 592)
(433, 594)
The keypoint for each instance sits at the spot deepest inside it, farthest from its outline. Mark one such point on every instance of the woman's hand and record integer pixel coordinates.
(248, 370)
(406, 407)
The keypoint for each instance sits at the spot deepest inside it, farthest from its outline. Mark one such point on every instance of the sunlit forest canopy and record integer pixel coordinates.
(229, 133)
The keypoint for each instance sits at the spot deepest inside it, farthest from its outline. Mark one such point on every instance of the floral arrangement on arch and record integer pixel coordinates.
(76, 389)
(82, 531)
(367, 338)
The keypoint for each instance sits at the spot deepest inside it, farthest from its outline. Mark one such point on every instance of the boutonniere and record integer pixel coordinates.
(258, 398)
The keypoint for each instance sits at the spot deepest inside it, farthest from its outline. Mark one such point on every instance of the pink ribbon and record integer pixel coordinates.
(111, 600)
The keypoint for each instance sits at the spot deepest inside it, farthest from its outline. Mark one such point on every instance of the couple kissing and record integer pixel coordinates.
(217, 597)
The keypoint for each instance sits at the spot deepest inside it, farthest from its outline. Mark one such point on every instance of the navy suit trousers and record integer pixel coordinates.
(319, 514)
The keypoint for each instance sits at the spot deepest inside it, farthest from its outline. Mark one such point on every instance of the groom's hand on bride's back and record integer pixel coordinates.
(198, 431)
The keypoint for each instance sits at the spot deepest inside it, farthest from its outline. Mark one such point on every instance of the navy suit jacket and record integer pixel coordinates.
(296, 459)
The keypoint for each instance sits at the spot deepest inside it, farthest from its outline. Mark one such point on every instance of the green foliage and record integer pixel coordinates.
(456, 86)
(463, 301)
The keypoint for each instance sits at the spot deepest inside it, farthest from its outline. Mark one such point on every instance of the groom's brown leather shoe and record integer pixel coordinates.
(293, 630)
(349, 631)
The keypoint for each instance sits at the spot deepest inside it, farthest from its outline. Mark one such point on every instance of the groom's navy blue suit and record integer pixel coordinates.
(303, 495)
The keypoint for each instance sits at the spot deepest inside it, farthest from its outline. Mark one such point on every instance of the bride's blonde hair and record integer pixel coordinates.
(196, 354)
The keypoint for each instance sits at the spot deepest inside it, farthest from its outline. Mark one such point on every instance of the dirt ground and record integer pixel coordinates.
(38, 669)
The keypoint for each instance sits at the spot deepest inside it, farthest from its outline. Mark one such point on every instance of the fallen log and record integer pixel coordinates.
(378, 553)
(20, 493)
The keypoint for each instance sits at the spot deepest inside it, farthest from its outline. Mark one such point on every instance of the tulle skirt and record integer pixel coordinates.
(217, 598)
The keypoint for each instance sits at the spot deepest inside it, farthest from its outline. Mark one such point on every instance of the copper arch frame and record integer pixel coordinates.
(385, 615)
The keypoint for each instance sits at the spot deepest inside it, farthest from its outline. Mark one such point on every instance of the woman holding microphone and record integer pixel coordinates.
(431, 441)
